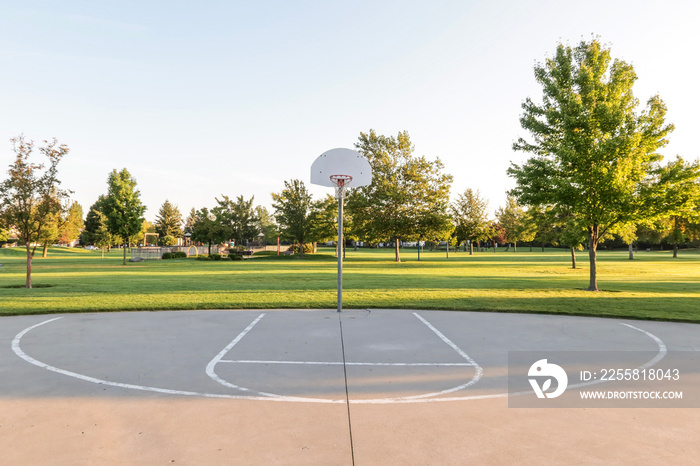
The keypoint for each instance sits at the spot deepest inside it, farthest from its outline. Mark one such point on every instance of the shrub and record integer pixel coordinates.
(215, 257)
(308, 248)
(167, 255)
(179, 254)
(235, 257)
(202, 257)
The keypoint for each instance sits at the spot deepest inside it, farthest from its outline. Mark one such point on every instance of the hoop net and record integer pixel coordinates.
(340, 182)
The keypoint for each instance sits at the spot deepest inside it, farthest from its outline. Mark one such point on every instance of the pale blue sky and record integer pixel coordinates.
(199, 99)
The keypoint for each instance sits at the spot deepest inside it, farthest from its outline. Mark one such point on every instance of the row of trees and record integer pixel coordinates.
(594, 171)
(407, 201)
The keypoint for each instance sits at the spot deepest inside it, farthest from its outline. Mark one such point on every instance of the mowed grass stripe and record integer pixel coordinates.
(653, 286)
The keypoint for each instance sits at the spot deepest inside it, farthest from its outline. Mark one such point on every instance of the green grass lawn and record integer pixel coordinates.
(653, 286)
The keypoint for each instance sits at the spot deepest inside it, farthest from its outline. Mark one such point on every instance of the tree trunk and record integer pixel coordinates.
(398, 254)
(30, 254)
(573, 258)
(543, 248)
(675, 251)
(103, 252)
(531, 248)
(45, 251)
(592, 250)
(209, 249)
(515, 246)
(631, 257)
(124, 253)
(471, 248)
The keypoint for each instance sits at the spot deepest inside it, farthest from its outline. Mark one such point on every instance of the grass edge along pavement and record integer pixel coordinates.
(654, 286)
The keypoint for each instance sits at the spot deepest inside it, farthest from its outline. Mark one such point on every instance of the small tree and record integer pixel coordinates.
(293, 207)
(206, 229)
(573, 236)
(680, 200)
(237, 217)
(516, 221)
(63, 227)
(189, 223)
(169, 224)
(147, 233)
(546, 231)
(266, 224)
(31, 197)
(123, 207)
(470, 217)
(102, 237)
(92, 221)
(72, 224)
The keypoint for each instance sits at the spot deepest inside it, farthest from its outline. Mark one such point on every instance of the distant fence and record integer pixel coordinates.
(155, 252)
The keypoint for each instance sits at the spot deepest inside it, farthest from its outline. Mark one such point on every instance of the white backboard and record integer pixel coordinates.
(341, 162)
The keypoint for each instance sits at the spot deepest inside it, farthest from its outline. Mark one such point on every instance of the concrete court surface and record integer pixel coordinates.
(283, 387)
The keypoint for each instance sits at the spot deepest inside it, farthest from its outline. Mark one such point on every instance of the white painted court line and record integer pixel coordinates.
(217, 359)
(478, 370)
(19, 352)
(659, 356)
(662, 346)
(470, 363)
(212, 364)
(340, 363)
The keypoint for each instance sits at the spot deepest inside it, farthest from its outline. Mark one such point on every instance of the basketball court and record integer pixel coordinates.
(314, 386)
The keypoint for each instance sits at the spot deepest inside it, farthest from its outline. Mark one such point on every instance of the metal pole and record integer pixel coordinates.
(340, 245)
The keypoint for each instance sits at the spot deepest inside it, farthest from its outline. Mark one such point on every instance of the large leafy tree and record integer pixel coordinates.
(123, 207)
(469, 213)
(293, 208)
(409, 195)
(30, 198)
(594, 154)
(237, 217)
(169, 224)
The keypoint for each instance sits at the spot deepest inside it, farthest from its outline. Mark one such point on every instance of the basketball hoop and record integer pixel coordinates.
(340, 182)
(357, 172)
